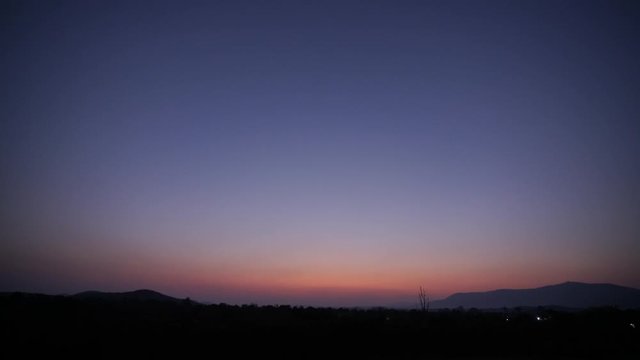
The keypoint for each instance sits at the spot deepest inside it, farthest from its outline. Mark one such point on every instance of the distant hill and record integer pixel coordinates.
(570, 295)
(137, 295)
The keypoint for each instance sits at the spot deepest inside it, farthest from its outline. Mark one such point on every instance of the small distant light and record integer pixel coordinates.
(507, 319)
(633, 326)
(538, 318)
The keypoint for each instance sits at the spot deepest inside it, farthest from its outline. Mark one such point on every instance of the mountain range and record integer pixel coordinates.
(137, 295)
(568, 295)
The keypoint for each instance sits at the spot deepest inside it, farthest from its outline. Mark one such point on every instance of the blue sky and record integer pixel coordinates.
(314, 152)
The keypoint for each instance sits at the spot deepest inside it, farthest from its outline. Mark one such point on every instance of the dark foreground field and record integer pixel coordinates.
(50, 326)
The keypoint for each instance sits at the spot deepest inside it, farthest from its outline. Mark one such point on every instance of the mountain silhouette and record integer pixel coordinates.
(569, 294)
(137, 295)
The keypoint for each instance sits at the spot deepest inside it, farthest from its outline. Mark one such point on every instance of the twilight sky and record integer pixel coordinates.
(318, 152)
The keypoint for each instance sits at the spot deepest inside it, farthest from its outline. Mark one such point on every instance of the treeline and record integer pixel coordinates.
(40, 325)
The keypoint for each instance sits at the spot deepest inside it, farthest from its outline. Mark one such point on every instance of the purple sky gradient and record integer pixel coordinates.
(318, 152)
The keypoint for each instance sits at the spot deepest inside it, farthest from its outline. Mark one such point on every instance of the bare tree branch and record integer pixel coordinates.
(423, 299)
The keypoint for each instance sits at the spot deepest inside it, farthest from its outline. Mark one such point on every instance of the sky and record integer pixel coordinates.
(332, 153)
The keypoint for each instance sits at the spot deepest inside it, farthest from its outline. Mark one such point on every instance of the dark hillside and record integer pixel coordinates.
(74, 327)
(569, 295)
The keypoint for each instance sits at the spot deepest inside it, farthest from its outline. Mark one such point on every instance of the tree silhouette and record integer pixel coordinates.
(423, 299)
